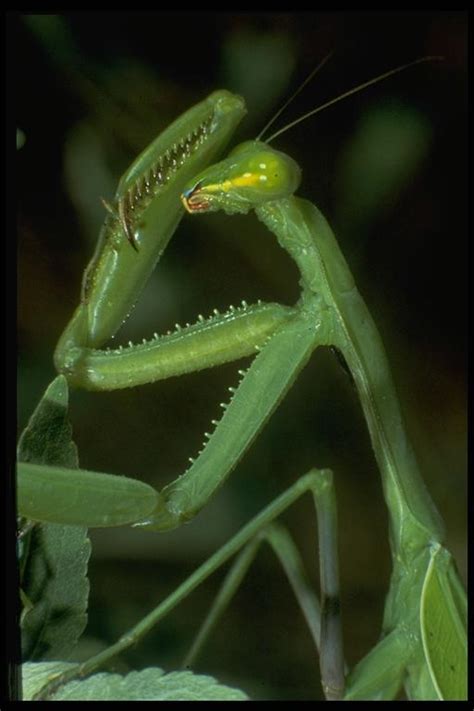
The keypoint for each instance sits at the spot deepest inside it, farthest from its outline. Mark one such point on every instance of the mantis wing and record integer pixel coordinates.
(443, 626)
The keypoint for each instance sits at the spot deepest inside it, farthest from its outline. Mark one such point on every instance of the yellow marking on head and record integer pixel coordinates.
(246, 179)
(241, 181)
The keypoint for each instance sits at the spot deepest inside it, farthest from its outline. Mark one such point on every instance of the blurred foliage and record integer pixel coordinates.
(388, 169)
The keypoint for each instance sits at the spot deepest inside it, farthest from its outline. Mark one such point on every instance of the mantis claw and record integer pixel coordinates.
(123, 217)
(108, 206)
(123, 220)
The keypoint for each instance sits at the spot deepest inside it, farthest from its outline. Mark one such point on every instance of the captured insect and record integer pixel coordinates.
(423, 640)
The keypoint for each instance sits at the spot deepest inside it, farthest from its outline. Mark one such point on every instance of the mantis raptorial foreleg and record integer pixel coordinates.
(424, 590)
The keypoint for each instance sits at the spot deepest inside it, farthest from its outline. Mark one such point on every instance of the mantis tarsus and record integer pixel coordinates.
(425, 598)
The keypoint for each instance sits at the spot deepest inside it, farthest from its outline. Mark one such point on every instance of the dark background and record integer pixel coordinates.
(91, 90)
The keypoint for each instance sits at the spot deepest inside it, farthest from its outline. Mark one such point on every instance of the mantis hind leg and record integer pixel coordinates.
(324, 622)
(282, 544)
(324, 625)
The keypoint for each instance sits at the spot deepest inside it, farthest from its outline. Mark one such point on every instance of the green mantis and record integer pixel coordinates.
(425, 606)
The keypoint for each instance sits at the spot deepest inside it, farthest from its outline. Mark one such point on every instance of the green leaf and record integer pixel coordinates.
(147, 685)
(443, 626)
(47, 439)
(54, 558)
(35, 675)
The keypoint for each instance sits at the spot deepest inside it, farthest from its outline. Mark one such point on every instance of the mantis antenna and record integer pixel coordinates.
(294, 95)
(345, 95)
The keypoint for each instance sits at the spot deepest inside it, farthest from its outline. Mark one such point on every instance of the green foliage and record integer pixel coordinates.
(54, 557)
(148, 685)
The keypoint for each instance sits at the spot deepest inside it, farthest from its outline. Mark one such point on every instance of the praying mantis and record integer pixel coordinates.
(423, 642)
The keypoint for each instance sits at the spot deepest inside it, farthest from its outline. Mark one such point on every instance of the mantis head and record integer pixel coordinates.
(252, 174)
